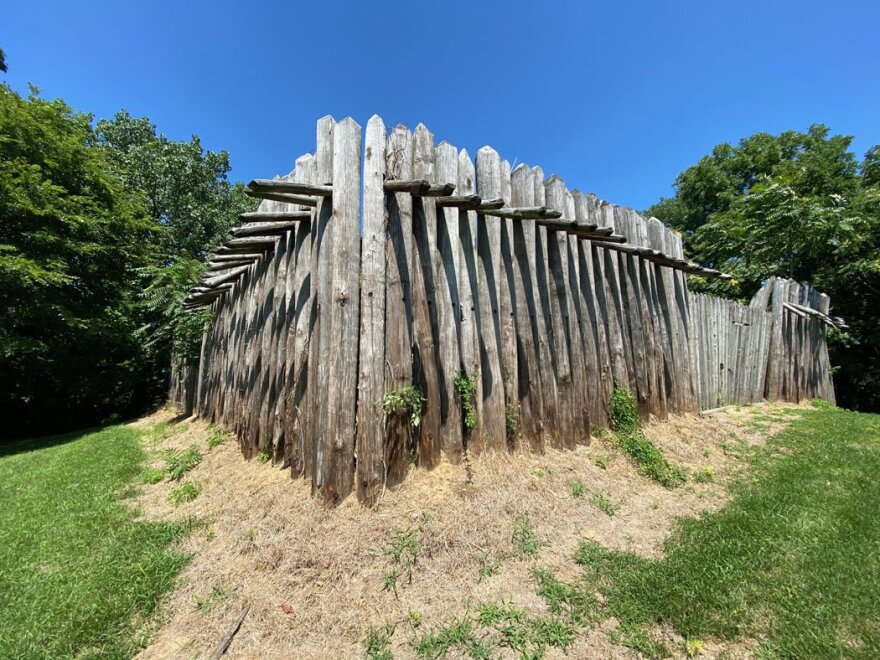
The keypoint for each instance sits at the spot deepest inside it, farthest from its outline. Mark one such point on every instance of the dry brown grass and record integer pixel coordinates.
(315, 577)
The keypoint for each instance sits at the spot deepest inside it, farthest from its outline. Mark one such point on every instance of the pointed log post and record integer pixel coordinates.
(371, 386)
(339, 346)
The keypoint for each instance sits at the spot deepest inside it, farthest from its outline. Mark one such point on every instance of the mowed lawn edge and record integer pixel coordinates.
(80, 573)
(790, 566)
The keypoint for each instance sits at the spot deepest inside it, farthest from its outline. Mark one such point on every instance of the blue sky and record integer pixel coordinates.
(616, 98)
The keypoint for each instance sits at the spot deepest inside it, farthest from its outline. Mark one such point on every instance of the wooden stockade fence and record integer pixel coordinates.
(430, 270)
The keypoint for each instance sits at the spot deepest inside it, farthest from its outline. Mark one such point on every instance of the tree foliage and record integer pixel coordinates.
(102, 231)
(185, 188)
(71, 242)
(796, 205)
(186, 191)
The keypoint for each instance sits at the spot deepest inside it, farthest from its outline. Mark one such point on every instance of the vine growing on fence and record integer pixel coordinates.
(466, 388)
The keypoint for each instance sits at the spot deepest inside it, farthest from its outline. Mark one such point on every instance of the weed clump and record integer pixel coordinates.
(405, 401)
(152, 476)
(185, 493)
(178, 463)
(403, 552)
(649, 460)
(217, 437)
(466, 388)
(378, 641)
(525, 542)
(603, 504)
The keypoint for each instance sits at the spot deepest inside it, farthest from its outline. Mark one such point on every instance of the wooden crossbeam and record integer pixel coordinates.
(274, 216)
(264, 228)
(255, 242)
(290, 187)
(490, 204)
(226, 265)
(441, 190)
(815, 313)
(241, 256)
(461, 201)
(229, 276)
(282, 197)
(418, 187)
(411, 186)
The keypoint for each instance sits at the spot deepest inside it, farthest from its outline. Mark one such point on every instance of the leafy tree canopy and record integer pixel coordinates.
(795, 205)
(184, 187)
(71, 242)
(102, 230)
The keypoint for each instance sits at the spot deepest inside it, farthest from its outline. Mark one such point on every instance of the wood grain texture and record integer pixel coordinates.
(491, 426)
(426, 370)
(446, 270)
(371, 370)
(338, 386)
(398, 302)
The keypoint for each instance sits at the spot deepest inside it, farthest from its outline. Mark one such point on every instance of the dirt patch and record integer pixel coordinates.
(317, 580)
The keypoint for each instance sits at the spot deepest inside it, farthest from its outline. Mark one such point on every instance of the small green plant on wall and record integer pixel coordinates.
(466, 388)
(405, 401)
(511, 418)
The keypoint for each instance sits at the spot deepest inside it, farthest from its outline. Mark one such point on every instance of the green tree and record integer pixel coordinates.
(72, 242)
(185, 188)
(187, 192)
(795, 205)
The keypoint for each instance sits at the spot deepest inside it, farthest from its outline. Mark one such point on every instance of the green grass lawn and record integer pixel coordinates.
(79, 573)
(789, 569)
(793, 562)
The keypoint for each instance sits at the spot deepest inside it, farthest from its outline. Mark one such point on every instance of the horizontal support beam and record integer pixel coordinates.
(815, 313)
(283, 197)
(257, 242)
(289, 187)
(206, 289)
(250, 256)
(440, 190)
(411, 186)
(462, 201)
(203, 297)
(224, 250)
(264, 229)
(418, 187)
(491, 204)
(274, 216)
(608, 238)
(229, 276)
(524, 213)
(226, 265)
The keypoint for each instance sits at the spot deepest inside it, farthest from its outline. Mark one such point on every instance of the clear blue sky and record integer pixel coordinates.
(617, 98)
